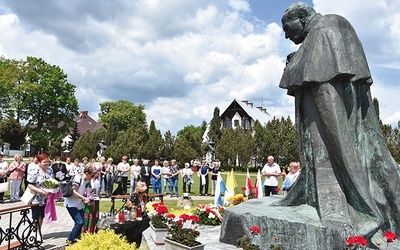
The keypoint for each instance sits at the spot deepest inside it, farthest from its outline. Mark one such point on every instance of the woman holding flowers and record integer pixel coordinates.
(36, 176)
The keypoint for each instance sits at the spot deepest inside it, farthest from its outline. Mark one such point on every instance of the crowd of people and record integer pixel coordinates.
(101, 176)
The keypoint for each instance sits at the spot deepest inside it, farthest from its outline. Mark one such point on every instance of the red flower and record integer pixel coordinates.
(356, 241)
(162, 210)
(171, 216)
(277, 190)
(208, 210)
(390, 236)
(254, 230)
(195, 219)
(243, 188)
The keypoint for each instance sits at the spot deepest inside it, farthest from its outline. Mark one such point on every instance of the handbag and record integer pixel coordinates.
(118, 179)
(3, 187)
(28, 196)
(66, 188)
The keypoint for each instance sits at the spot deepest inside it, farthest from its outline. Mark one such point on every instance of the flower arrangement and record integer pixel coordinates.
(159, 215)
(236, 199)
(50, 183)
(353, 242)
(246, 242)
(252, 193)
(183, 229)
(210, 214)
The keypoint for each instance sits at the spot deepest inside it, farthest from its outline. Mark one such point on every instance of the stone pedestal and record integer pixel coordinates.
(298, 227)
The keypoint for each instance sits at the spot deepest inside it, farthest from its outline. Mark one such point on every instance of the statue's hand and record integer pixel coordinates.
(289, 57)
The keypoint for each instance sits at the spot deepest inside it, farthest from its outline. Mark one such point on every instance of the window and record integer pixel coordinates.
(236, 123)
(228, 123)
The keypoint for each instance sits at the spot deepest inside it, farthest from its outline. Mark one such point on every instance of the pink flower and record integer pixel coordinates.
(390, 236)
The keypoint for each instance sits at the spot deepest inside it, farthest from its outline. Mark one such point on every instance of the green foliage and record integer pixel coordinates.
(188, 143)
(167, 147)
(87, 144)
(40, 94)
(215, 132)
(104, 239)
(74, 137)
(12, 132)
(151, 149)
(129, 143)
(124, 114)
(185, 236)
(235, 146)
(245, 244)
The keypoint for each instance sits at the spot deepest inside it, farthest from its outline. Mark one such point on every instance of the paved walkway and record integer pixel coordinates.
(56, 232)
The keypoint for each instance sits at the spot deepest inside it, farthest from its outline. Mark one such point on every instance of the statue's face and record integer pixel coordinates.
(293, 29)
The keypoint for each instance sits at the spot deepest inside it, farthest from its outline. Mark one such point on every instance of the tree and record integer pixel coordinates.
(112, 131)
(123, 113)
(129, 143)
(12, 132)
(167, 148)
(87, 144)
(151, 149)
(40, 94)
(183, 150)
(74, 137)
(280, 140)
(193, 136)
(235, 147)
(215, 132)
(260, 149)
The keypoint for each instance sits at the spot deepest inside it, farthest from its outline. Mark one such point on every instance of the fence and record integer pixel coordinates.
(18, 230)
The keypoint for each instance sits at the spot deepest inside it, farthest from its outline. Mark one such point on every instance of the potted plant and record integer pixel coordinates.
(246, 243)
(210, 214)
(182, 233)
(158, 222)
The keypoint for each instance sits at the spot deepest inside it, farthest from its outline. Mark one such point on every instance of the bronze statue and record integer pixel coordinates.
(348, 174)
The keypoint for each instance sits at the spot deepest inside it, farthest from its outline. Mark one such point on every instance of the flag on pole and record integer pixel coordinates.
(259, 186)
(233, 181)
(220, 189)
(249, 187)
(230, 190)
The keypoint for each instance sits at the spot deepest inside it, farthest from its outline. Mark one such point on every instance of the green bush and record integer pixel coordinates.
(103, 239)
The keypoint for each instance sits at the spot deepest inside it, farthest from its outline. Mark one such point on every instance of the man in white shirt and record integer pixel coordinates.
(271, 171)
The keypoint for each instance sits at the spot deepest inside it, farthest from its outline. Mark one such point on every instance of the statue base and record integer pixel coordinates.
(294, 227)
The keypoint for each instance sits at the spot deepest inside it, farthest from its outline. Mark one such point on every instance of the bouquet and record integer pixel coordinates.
(236, 199)
(51, 185)
(210, 214)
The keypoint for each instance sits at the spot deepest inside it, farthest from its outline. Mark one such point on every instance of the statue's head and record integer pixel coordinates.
(295, 21)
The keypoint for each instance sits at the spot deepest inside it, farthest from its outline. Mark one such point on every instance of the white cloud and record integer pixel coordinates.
(183, 58)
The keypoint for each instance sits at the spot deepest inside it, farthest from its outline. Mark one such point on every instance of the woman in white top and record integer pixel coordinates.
(135, 174)
(74, 202)
(186, 174)
(123, 169)
(36, 176)
(165, 171)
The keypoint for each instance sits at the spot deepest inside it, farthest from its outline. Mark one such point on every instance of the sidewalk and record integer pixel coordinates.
(56, 232)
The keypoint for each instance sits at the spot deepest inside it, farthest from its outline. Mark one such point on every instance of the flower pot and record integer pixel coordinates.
(173, 245)
(158, 234)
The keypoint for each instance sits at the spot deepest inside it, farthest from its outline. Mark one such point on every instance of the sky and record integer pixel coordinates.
(182, 58)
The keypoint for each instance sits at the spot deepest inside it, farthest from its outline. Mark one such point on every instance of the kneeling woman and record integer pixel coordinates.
(74, 202)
